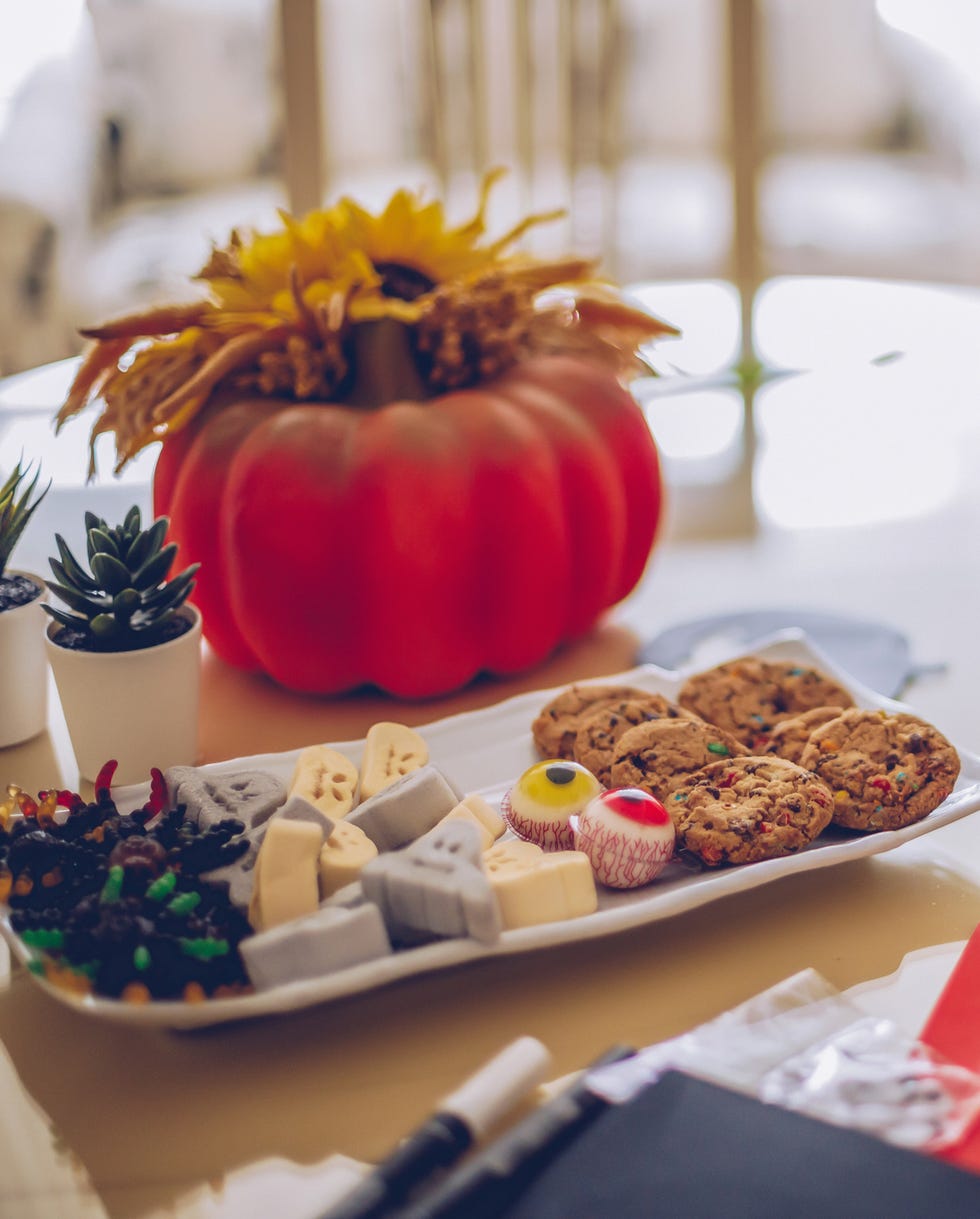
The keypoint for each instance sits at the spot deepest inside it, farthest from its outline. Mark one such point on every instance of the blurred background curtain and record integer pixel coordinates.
(135, 132)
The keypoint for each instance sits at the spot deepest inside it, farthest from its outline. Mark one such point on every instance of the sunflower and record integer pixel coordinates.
(385, 264)
(284, 311)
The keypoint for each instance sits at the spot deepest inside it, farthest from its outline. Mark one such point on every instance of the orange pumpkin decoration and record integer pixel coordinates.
(396, 463)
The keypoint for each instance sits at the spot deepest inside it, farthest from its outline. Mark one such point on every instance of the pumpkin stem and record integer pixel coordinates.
(384, 365)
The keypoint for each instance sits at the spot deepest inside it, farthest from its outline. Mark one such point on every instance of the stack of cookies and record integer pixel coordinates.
(755, 758)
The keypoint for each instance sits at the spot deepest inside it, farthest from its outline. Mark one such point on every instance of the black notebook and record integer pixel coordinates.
(686, 1149)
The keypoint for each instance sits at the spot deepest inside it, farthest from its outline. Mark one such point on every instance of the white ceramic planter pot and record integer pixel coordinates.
(23, 668)
(140, 708)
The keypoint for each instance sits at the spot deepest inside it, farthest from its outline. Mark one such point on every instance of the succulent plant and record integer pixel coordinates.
(18, 502)
(125, 601)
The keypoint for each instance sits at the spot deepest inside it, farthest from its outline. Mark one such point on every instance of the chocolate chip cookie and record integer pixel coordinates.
(789, 737)
(885, 770)
(602, 726)
(557, 723)
(748, 697)
(749, 809)
(659, 755)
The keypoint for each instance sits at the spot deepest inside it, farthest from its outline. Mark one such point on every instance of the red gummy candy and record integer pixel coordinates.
(158, 793)
(103, 780)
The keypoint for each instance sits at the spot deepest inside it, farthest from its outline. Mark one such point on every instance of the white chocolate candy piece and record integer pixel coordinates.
(465, 817)
(326, 778)
(342, 857)
(250, 795)
(483, 815)
(534, 886)
(286, 873)
(538, 806)
(407, 809)
(390, 751)
(240, 874)
(628, 836)
(435, 888)
(330, 939)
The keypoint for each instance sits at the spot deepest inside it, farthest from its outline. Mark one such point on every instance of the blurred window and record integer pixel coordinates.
(30, 33)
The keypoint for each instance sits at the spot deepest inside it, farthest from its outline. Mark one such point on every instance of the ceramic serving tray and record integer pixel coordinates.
(485, 751)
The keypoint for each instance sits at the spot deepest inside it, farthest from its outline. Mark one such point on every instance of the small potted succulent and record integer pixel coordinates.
(23, 666)
(126, 651)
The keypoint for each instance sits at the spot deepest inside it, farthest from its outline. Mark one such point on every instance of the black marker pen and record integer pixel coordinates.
(460, 1120)
(481, 1188)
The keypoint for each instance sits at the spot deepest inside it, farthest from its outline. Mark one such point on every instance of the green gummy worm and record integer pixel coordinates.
(162, 887)
(112, 889)
(203, 948)
(44, 937)
(184, 903)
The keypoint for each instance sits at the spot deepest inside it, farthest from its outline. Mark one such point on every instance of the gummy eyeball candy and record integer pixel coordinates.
(628, 836)
(538, 806)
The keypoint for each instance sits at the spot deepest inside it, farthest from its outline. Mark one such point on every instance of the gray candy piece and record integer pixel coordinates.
(240, 874)
(350, 896)
(173, 776)
(406, 809)
(331, 939)
(435, 888)
(297, 808)
(250, 795)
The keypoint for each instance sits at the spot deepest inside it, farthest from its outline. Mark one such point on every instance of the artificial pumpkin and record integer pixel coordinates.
(395, 464)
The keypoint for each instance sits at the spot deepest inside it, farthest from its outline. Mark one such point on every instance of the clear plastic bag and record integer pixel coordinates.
(804, 1046)
(872, 1076)
(741, 1045)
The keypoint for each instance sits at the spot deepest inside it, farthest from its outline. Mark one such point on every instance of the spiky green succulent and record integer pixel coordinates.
(125, 601)
(19, 500)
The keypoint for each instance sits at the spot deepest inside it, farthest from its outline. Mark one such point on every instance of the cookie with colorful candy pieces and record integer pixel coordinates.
(886, 770)
(602, 727)
(749, 809)
(556, 725)
(656, 756)
(749, 696)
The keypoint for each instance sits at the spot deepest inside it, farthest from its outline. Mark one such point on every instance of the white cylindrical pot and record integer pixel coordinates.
(140, 708)
(23, 667)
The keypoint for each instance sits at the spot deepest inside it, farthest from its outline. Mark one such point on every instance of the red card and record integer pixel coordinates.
(953, 1030)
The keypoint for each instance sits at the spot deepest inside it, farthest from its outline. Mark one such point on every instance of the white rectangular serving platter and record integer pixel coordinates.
(485, 751)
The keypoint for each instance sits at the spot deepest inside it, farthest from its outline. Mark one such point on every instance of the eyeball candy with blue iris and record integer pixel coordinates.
(538, 806)
(628, 836)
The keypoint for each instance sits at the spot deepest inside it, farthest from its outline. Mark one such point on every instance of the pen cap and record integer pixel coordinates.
(492, 1092)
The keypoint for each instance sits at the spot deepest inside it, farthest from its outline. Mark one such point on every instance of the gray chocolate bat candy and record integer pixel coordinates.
(250, 795)
(240, 874)
(173, 776)
(332, 938)
(406, 809)
(435, 888)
